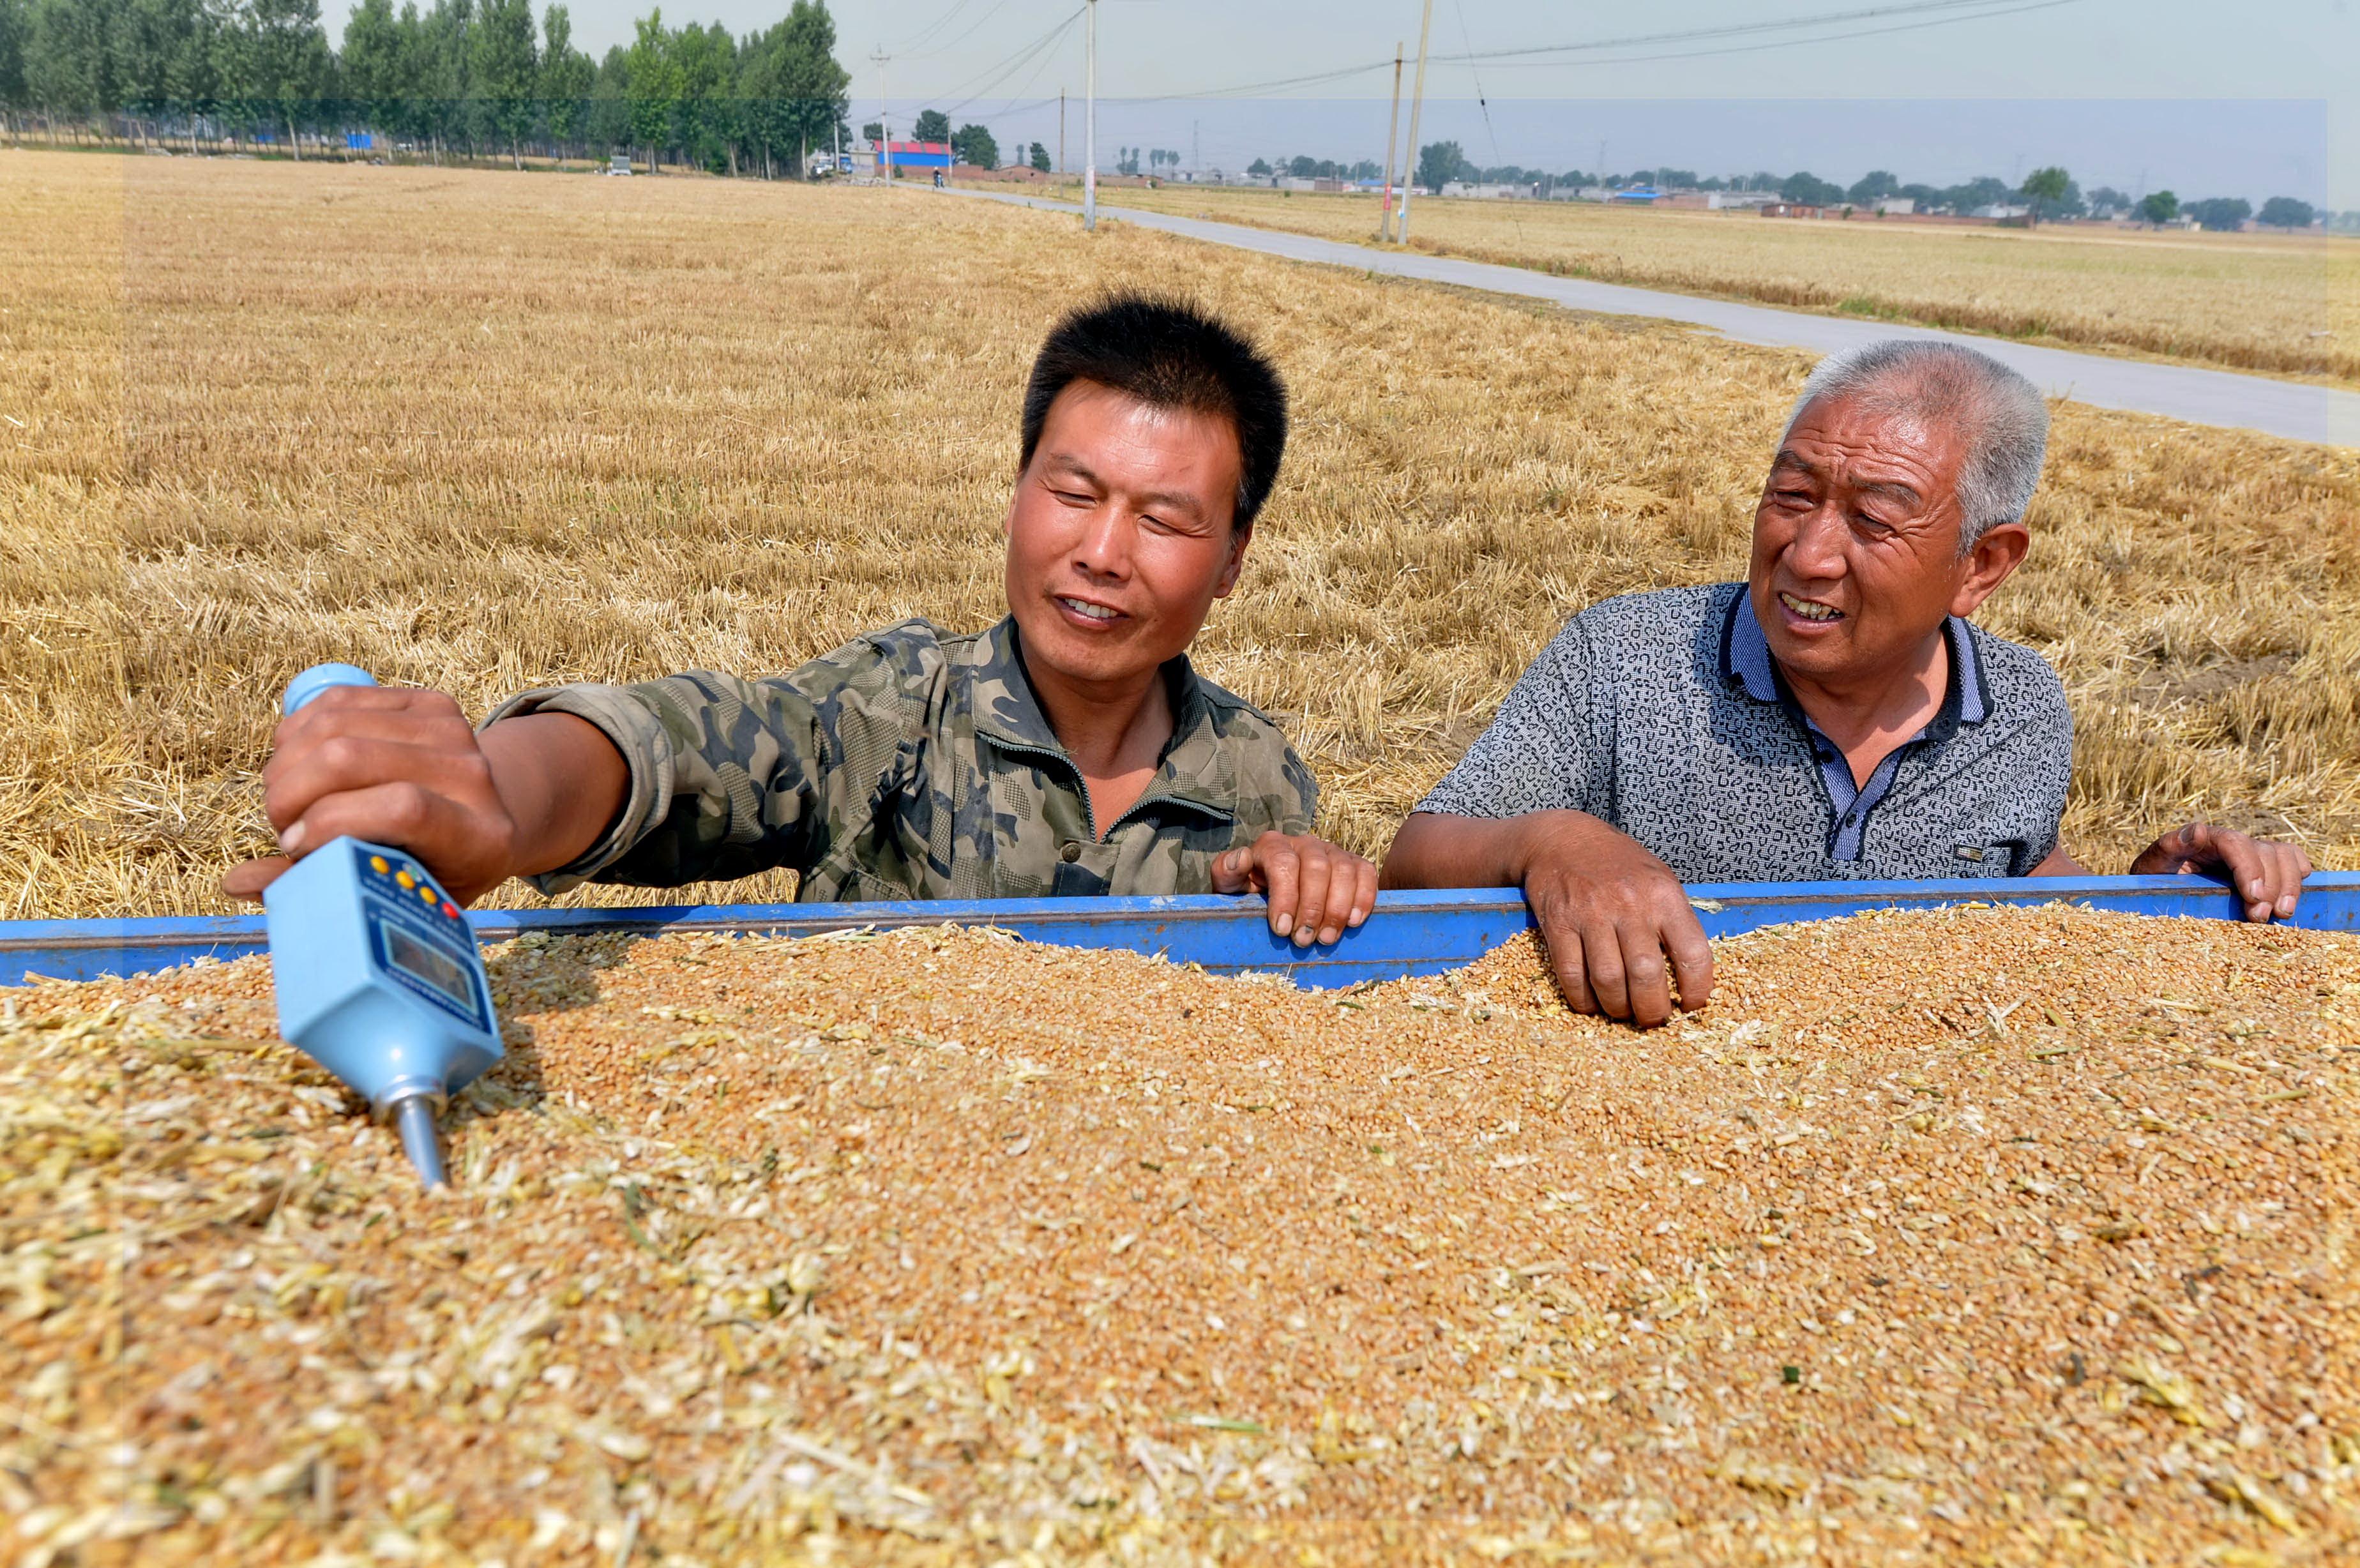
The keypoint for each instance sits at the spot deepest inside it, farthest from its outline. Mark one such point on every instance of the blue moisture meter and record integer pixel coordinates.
(378, 973)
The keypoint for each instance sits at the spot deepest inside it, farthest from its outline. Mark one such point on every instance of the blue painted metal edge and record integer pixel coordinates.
(1411, 934)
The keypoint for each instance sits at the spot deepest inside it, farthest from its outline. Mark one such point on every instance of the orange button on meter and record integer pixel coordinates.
(405, 878)
(379, 864)
(429, 895)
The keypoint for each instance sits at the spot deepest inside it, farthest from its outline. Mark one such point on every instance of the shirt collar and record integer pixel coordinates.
(1196, 768)
(1745, 661)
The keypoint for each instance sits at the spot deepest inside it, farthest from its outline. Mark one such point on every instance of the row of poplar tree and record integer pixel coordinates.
(464, 78)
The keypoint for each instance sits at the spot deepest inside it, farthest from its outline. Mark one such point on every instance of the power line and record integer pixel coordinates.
(927, 33)
(1945, 13)
(2000, 10)
(980, 84)
(1740, 30)
(965, 33)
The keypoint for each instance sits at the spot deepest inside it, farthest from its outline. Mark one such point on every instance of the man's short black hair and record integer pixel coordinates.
(1170, 354)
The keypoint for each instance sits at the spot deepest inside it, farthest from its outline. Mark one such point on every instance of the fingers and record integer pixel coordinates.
(1278, 867)
(2266, 875)
(248, 879)
(349, 763)
(1314, 871)
(1602, 953)
(1351, 897)
(1316, 891)
(1647, 983)
(401, 815)
(1684, 938)
(1569, 959)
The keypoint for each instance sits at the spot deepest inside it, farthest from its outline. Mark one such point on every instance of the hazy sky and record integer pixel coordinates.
(2254, 99)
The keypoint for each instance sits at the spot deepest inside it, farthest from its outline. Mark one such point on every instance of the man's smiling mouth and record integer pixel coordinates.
(1809, 611)
(1085, 608)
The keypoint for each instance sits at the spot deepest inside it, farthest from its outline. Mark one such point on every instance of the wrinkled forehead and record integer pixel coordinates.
(1872, 436)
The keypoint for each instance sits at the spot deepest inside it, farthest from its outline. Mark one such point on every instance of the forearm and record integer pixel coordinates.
(2059, 864)
(562, 781)
(1438, 849)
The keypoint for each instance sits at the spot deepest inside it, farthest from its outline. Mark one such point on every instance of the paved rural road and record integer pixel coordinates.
(2180, 392)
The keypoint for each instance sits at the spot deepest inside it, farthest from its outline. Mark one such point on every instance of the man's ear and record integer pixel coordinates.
(1238, 539)
(2000, 551)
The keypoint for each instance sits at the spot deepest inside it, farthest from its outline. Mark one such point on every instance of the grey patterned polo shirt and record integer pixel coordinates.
(1663, 715)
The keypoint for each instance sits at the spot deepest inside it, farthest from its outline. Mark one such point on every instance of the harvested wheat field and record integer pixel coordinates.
(1994, 1236)
(2280, 304)
(484, 431)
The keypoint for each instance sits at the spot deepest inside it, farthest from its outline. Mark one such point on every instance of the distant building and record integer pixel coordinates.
(1491, 192)
(924, 156)
(1895, 206)
(1737, 200)
(1638, 196)
(1999, 209)
(1792, 210)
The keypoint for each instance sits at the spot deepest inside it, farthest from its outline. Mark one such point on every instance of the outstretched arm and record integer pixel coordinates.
(404, 768)
(1617, 922)
(2267, 874)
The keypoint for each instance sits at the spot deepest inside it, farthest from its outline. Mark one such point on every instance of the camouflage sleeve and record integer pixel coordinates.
(730, 777)
(1275, 790)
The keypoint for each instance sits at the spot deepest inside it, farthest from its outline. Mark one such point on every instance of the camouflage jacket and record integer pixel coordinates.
(911, 765)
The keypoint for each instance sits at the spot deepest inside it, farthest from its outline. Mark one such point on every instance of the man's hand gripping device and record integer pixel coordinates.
(378, 973)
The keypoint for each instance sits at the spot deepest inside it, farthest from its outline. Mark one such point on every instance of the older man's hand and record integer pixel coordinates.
(1610, 912)
(2267, 875)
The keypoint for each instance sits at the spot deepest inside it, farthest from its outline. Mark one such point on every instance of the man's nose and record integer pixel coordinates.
(1817, 549)
(1104, 548)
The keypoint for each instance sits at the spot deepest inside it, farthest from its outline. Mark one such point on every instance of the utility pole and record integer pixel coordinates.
(1061, 130)
(1195, 151)
(1090, 124)
(1417, 102)
(1393, 136)
(885, 119)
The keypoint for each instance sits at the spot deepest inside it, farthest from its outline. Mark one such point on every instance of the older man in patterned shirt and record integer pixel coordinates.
(1833, 716)
(1070, 749)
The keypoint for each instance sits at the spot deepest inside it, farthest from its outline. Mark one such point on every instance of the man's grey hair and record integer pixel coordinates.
(2003, 417)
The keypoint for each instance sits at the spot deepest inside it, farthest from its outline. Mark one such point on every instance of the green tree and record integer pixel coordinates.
(2046, 188)
(567, 76)
(814, 83)
(1808, 189)
(504, 68)
(610, 108)
(2158, 208)
(374, 69)
(440, 70)
(2286, 212)
(1438, 163)
(976, 148)
(1873, 187)
(276, 54)
(1259, 169)
(705, 125)
(933, 126)
(69, 67)
(16, 23)
(1040, 158)
(793, 90)
(654, 85)
(2222, 215)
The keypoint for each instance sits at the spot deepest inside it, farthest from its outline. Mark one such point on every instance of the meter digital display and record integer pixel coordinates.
(421, 963)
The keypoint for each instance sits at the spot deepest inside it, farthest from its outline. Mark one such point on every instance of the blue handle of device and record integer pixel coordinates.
(318, 679)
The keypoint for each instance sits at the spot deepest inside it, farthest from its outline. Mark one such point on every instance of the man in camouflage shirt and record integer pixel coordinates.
(1070, 749)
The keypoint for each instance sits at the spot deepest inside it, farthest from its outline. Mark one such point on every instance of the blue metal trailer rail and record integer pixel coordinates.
(1411, 932)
